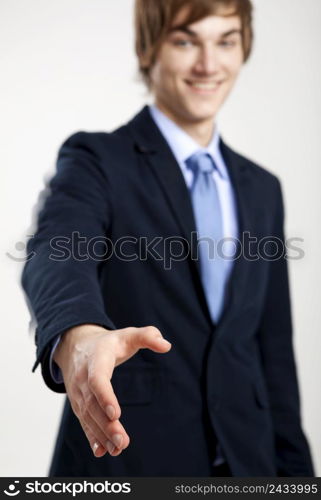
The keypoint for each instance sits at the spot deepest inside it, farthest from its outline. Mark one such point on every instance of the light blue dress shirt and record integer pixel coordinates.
(183, 146)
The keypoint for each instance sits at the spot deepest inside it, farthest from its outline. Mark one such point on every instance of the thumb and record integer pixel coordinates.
(149, 337)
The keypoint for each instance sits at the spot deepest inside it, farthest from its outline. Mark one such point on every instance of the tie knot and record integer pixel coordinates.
(200, 162)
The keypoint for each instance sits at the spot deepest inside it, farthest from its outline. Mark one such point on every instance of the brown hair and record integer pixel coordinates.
(153, 19)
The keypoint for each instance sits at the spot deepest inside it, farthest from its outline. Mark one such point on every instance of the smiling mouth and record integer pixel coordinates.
(203, 87)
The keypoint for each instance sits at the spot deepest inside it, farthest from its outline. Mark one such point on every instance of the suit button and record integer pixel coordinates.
(143, 149)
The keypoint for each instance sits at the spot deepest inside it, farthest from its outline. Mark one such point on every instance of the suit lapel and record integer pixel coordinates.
(150, 142)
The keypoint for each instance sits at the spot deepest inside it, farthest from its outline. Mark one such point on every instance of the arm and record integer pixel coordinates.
(276, 347)
(64, 292)
(66, 298)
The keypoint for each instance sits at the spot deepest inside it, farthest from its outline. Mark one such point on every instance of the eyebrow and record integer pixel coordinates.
(188, 31)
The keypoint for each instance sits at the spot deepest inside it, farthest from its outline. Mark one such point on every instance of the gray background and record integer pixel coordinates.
(69, 65)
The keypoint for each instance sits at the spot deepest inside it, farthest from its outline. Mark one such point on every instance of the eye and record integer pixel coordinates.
(226, 44)
(183, 42)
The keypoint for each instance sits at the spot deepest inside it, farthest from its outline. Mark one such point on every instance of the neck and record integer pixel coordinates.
(200, 131)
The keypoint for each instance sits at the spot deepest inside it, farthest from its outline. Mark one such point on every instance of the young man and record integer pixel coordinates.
(220, 395)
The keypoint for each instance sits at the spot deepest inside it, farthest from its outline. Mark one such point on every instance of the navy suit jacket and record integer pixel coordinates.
(234, 381)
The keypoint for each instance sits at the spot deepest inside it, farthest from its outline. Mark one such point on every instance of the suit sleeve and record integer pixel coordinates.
(61, 280)
(276, 347)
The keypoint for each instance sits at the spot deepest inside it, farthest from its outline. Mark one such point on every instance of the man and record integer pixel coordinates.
(220, 395)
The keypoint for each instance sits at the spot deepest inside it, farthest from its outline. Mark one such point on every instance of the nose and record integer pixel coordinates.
(207, 61)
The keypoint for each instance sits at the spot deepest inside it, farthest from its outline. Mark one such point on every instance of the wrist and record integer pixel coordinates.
(72, 336)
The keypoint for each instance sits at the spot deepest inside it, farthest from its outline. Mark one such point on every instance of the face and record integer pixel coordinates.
(196, 68)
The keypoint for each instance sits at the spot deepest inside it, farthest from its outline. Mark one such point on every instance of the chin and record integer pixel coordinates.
(202, 115)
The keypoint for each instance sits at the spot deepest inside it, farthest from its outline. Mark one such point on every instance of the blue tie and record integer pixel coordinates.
(209, 224)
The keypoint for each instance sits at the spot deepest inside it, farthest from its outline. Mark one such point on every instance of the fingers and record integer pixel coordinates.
(111, 440)
(97, 448)
(100, 387)
(109, 435)
(111, 430)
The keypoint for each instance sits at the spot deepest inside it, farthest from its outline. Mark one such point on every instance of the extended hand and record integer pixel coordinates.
(87, 356)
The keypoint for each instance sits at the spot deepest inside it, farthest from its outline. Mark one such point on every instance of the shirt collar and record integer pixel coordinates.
(183, 145)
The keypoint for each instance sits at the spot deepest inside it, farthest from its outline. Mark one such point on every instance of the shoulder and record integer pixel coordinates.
(99, 143)
(106, 155)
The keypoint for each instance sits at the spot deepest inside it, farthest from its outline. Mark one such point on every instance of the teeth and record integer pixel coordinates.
(207, 86)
